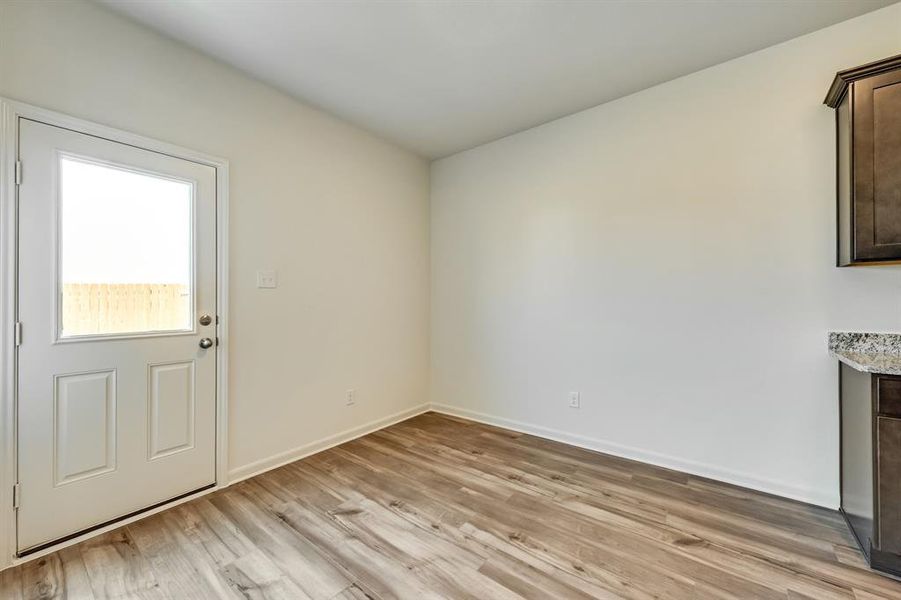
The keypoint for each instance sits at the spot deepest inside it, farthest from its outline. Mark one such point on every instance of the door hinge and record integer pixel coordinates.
(17, 495)
(18, 172)
(18, 333)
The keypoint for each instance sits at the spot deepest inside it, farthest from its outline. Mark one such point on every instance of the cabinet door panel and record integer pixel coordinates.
(887, 163)
(877, 167)
(888, 473)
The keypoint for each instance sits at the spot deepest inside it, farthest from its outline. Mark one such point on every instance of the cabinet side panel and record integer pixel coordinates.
(857, 452)
(843, 180)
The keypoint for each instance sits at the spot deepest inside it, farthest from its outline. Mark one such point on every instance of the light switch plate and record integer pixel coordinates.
(267, 279)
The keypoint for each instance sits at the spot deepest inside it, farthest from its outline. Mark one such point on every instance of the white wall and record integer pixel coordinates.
(670, 256)
(341, 215)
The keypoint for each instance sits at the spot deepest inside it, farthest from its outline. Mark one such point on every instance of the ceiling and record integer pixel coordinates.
(438, 76)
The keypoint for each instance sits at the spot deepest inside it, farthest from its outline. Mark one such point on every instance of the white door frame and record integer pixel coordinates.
(10, 114)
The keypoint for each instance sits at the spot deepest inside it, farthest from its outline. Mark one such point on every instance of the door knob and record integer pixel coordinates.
(206, 343)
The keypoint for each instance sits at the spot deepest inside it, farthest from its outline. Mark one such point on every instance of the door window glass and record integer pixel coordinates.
(126, 251)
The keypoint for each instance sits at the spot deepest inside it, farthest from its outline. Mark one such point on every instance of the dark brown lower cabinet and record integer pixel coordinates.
(871, 464)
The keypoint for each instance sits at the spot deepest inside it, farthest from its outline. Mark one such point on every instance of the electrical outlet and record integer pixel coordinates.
(575, 400)
(350, 398)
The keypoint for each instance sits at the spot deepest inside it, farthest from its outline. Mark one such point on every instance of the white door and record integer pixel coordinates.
(117, 305)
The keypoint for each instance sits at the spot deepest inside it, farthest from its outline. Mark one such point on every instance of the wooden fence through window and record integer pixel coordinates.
(98, 308)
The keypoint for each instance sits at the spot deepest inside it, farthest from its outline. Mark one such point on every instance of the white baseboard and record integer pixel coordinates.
(272, 462)
(825, 498)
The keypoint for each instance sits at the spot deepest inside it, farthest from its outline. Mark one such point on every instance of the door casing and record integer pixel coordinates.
(10, 113)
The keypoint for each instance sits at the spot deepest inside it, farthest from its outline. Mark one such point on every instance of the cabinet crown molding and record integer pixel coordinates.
(844, 78)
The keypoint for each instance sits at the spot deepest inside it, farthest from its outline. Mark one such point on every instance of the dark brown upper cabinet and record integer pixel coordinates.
(867, 103)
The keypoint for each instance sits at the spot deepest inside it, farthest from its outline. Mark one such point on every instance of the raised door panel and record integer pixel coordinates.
(887, 163)
(84, 425)
(171, 408)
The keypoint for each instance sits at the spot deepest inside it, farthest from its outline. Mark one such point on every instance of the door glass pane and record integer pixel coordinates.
(125, 251)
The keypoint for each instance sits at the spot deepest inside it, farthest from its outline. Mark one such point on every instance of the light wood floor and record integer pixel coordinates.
(440, 507)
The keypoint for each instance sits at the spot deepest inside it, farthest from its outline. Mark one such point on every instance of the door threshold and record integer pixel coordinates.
(82, 532)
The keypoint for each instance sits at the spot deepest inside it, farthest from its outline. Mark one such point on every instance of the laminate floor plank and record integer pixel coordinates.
(294, 556)
(116, 569)
(442, 507)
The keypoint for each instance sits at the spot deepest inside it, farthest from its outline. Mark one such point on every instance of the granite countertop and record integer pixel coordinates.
(867, 352)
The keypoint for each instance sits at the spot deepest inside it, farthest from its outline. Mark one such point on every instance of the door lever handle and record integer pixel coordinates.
(206, 343)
